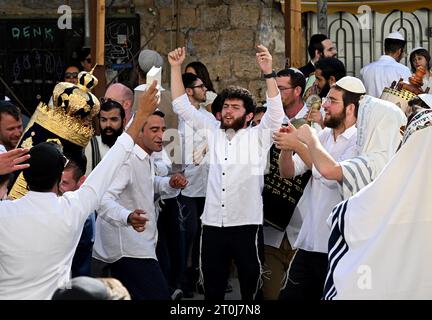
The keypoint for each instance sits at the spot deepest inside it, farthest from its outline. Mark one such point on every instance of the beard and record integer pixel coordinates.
(335, 121)
(109, 140)
(236, 124)
(324, 91)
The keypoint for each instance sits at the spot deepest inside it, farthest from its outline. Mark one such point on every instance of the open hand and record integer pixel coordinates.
(10, 161)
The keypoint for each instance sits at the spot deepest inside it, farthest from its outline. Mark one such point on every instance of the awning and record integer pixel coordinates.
(382, 6)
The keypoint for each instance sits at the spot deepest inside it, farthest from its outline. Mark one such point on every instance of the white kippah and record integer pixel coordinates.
(351, 84)
(395, 35)
(416, 48)
(426, 98)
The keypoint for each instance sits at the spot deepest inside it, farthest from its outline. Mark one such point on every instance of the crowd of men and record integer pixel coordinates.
(183, 184)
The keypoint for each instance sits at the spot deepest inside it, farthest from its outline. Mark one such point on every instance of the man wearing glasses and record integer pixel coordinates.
(308, 229)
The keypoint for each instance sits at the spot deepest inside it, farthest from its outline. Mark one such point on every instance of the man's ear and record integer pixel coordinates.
(331, 80)
(81, 180)
(350, 109)
(249, 117)
(189, 91)
(297, 91)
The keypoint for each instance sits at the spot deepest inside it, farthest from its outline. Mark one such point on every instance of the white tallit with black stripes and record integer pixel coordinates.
(378, 137)
(381, 240)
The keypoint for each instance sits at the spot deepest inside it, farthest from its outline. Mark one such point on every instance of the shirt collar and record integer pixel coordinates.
(348, 133)
(387, 57)
(140, 153)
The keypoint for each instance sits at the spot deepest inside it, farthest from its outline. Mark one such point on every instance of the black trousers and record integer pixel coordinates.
(142, 277)
(221, 245)
(306, 276)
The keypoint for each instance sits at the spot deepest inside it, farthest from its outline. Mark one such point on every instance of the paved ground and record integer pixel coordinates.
(234, 295)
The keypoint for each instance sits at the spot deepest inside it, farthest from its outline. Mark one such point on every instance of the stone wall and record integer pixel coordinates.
(220, 33)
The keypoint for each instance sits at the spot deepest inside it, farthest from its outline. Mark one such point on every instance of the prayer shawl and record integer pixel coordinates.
(378, 137)
(380, 245)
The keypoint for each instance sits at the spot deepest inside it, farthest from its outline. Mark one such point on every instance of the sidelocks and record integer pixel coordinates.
(68, 123)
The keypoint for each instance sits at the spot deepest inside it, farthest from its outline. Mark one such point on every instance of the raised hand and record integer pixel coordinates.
(10, 161)
(286, 139)
(264, 59)
(306, 134)
(177, 57)
(315, 116)
(137, 220)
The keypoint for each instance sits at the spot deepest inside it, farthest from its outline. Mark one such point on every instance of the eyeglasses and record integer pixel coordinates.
(330, 100)
(283, 88)
(71, 75)
(202, 86)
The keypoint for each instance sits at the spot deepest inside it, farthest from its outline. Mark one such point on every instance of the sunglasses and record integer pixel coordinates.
(71, 75)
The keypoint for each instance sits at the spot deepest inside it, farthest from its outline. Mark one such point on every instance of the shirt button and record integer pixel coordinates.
(223, 173)
(226, 159)
(223, 206)
(223, 189)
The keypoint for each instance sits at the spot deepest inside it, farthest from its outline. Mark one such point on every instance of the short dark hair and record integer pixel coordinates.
(78, 164)
(216, 105)
(349, 97)
(331, 67)
(236, 92)
(297, 77)
(420, 52)
(189, 79)
(261, 110)
(315, 43)
(159, 113)
(10, 109)
(110, 104)
(46, 166)
(202, 73)
(393, 45)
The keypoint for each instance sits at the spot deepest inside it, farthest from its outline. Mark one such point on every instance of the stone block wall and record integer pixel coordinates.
(220, 33)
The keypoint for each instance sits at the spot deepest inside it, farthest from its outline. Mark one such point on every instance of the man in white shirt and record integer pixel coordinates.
(381, 73)
(41, 230)
(232, 218)
(280, 196)
(308, 229)
(132, 255)
(196, 172)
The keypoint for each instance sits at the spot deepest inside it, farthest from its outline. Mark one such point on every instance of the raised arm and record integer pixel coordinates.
(273, 118)
(91, 192)
(175, 59)
(181, 104)
(10, 161)
(322, 160)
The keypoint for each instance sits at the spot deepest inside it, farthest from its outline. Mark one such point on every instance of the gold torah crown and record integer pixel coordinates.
(74, 108)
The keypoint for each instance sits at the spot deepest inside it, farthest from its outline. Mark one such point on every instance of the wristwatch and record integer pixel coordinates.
(269, 75)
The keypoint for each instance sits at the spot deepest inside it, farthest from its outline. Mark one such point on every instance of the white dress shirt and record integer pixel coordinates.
(196, 174)
(308, 229)
(133, 188)
(272, 236)
(40, 231)
(381, 73)
(235, 180)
